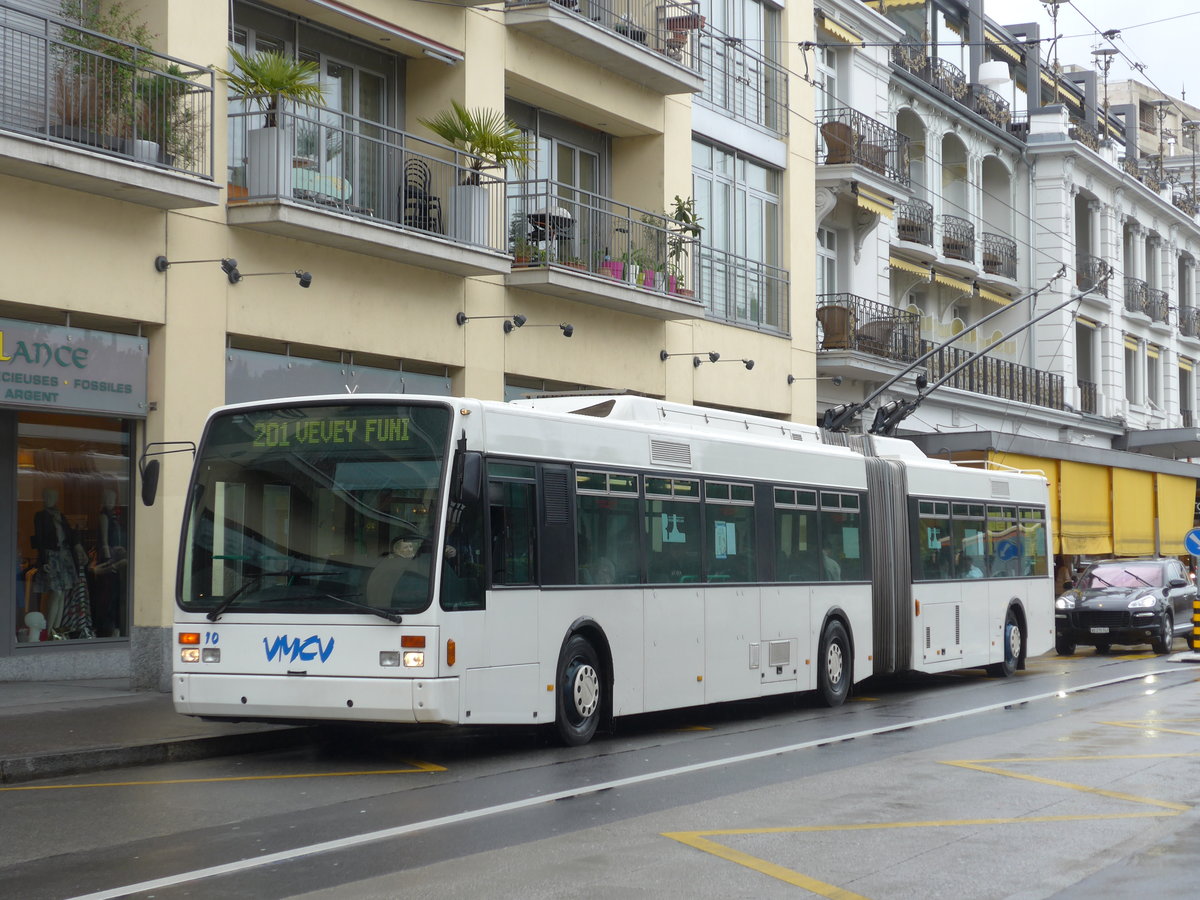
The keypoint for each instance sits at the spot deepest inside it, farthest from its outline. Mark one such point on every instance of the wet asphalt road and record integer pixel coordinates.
(1078, 775)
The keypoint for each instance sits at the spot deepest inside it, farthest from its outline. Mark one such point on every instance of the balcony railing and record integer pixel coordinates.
(949, 79)
(64, 83)
(958, 239)
(1189, 321)
(999, 255)
(742, 83)
(1090, 272)
(1135, 294)
(1085, 134)
(914, 221)
(1157, 306)
(990, 105)
(850, 137)
(329, 160)
(1087, 397)
(744, 291)
(850, 322)
(556, 225)
(995, 377)
(1186, 202)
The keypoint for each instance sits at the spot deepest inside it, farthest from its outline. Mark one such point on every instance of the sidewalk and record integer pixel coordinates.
(53, 728)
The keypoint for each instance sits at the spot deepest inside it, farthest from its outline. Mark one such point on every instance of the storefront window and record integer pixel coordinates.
(72, 527)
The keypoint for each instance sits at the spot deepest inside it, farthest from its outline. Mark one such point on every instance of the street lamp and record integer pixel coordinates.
(1105, 60)
(1160, 105)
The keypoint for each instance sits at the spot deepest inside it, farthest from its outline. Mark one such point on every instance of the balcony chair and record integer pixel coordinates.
(876, 337)
(836, 325)
(840, 143)
(420, 207)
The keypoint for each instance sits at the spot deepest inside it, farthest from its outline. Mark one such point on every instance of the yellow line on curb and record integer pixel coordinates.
(417, 767)
(1082, 788)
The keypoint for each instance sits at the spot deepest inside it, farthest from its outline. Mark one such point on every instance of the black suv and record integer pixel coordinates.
(1125, 601)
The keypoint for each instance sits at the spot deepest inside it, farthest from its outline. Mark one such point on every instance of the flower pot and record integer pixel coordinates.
(613, 268)
(269, 162)
(672, 284)
(469, 213)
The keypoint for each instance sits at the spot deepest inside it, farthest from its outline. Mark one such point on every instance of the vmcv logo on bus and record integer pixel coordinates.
(294, 649)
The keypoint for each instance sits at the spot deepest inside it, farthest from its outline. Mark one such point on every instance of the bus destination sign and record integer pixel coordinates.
(346, 430)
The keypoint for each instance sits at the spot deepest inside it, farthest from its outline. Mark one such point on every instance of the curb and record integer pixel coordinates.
(17, 770)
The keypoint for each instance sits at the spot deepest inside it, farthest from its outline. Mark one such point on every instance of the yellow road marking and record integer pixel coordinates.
(695, 728)
(1158, 725)
(415, 768)
(1083, 788)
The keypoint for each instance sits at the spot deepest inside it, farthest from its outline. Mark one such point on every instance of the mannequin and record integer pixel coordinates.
(110, 566)
(59, 556)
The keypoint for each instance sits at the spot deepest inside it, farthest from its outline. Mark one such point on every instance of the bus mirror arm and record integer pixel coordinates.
(150, 469)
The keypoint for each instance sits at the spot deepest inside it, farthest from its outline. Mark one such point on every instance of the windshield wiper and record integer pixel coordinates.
(1138, 577)
(374, 610)
(255, 579)
(1096, 577)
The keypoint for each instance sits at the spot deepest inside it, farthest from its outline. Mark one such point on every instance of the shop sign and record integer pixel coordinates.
(51, 367)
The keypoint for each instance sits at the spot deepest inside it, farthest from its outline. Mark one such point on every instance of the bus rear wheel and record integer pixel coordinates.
(834, 664)
(579, 692)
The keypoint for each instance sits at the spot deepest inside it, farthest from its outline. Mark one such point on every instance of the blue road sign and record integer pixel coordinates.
(1008, 549)
(1191, 541)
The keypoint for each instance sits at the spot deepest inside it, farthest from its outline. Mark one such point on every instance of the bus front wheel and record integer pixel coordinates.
(834, 662)
(579, 692)
(1012, 648)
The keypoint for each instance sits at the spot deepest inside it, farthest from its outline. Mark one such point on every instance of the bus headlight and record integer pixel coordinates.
(189, 654)
(389, 658)
(210, 654)
(414, 659)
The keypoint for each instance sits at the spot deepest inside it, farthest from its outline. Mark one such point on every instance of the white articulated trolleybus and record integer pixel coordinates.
(572, 559)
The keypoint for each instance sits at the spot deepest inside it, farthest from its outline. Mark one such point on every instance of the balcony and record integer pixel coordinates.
(877, 153)
(958, 239)
(83, 111)
(945, 77)
(1090, 272)
(742, 83)
(1135, 295)
(1157, 306)
(1189, 321)
(914, 222)
(1084, 134)
(330, 178)
(580, 246)
(999, 255)
(650, 43)
(1087, 397)
(995, 377)
(852, 323)
(744, 291)
(990, 105)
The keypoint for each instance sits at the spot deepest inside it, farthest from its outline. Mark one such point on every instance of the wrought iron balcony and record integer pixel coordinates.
(1187, 202)
(652, 42)
(990, 105)
(744, 291)
(999, 255)
(1189, 321)
(1157, 306)
(654, 261)
(1135, 294)
(1087, 397)
(742, 83)
(67, 86)
(914, 221)
(1085, 134)
(958, 239)
(852, 138)
(850, 322)
(996, 377)
(1090, 272)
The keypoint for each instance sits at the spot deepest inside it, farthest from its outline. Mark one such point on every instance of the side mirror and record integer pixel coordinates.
(1177, 583)
(470, 485)
(150, 473)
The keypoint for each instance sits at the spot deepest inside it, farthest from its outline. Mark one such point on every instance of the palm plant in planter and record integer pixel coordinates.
(267, 78)
(490, 140)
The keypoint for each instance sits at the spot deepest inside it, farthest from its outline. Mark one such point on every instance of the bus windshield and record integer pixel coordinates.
(315, 509)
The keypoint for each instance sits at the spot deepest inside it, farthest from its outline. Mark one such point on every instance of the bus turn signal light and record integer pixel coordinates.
(413, 641)
(189, 637)
(450, 655)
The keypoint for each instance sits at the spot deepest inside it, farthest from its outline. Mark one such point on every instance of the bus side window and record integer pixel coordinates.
(933, 556)
(513, 521)
(841, 545)
(462, 570)
(672, 530)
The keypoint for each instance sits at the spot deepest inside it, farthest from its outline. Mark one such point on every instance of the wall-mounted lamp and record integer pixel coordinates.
(228, 265)
(442, 57)
(517, 321)
(305, 278)
(712, 356)
(836, 379)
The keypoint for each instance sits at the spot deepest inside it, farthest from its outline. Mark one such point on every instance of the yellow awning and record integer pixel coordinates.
(998, 299)
(873, 201)
(1085, 499)
(1185, 364)
(1001, 46)
(905, 266)
(1176, 501)
(951, 281)
(1152, 351)
(839, 32)
(1131, 343)
(1133, 506)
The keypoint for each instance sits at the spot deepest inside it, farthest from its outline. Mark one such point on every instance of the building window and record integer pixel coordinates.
(738, 201)
(1131, 372)
(1154, 376)
(743, 77)
(827, 244)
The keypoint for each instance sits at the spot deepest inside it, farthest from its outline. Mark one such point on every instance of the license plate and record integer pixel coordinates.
(1098, 630)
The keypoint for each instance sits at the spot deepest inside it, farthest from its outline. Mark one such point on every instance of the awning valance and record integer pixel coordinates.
(992, 296)
(873, 201)
(951, 281)
(838, 31)
(905, 266)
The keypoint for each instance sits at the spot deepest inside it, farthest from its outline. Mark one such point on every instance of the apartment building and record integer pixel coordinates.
(170, 247)
(958, 175)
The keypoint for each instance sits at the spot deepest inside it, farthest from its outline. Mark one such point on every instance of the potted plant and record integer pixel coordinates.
(165, 119)
(95, 97)
(685, 231)
(490, 140)
(266, 79)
